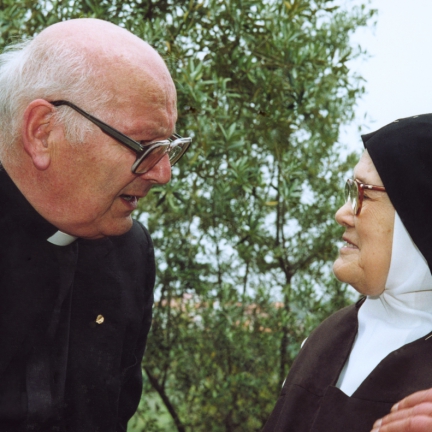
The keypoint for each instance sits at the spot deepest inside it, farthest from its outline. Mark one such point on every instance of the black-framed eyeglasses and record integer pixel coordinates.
(354, 193)
(147, 155)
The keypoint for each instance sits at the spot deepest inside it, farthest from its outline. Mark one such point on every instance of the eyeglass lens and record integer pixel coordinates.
(150, 159)
(351, 194)
(174, 150)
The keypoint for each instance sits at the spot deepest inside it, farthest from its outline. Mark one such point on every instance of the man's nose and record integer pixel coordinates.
(345, 215)
(160, 173)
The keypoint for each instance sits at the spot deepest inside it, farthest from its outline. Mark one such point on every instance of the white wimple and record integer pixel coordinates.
(400, 315)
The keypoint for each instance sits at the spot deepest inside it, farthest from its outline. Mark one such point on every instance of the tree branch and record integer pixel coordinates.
(169, 406)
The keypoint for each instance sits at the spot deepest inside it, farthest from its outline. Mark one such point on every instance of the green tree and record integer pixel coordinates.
(244, 233)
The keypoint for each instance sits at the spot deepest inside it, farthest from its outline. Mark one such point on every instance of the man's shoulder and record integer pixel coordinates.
(134, 246)
(137, 235)
(140, 230)
(141, 234)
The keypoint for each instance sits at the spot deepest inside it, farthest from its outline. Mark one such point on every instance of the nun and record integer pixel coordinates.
(369, 366)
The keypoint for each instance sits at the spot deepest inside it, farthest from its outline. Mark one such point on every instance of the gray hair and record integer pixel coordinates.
(31, 70)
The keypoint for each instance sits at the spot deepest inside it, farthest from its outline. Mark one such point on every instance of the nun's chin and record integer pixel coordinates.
(347, 268)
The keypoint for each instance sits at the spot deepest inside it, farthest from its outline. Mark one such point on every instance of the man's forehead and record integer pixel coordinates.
(142, 90)
(144, 108)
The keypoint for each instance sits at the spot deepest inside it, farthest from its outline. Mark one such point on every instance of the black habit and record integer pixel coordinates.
(309, 402)
(73, 323)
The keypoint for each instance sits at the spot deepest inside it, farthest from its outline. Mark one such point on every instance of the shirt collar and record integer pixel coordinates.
(61, 239)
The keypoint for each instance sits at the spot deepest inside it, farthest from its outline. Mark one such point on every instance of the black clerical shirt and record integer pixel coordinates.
(73, 323)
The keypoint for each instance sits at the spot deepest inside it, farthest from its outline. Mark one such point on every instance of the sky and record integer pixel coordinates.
(398, 71)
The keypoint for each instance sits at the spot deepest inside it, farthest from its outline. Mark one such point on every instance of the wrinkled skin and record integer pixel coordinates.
(88, 190)
(364, 260)
(364, 263)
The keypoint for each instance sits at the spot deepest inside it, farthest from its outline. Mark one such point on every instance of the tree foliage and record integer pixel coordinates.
(244, 232)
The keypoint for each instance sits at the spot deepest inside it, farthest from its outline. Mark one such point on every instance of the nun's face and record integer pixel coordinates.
(364, 259)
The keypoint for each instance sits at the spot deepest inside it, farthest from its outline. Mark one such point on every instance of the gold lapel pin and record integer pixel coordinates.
(100, 319)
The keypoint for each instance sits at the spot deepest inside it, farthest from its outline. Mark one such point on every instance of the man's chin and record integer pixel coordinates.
(120, 228)
(114, 228)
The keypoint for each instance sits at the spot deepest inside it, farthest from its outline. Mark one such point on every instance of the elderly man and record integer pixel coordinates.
(87, 118)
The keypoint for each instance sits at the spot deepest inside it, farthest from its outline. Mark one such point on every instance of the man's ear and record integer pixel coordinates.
(38, 123)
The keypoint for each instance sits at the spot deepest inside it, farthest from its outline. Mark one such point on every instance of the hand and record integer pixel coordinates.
(412, 414)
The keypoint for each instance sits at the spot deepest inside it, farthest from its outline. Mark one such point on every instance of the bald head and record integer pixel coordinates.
(84, 190)
(90, 62)
(106, 45)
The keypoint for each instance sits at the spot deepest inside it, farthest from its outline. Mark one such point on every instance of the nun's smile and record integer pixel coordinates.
(364, 258)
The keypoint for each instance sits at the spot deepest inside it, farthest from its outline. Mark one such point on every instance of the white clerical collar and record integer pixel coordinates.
(61, 239)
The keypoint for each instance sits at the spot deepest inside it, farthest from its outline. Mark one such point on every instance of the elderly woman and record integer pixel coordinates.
(364, 359)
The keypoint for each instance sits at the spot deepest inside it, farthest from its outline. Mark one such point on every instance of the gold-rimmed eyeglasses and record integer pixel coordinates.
(354, 193)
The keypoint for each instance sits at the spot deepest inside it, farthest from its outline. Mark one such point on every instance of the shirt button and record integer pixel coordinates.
(100, 319)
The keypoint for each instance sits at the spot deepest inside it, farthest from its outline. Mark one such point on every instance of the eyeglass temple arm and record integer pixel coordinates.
(373, 187)
(106, 128)
(370, 187)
